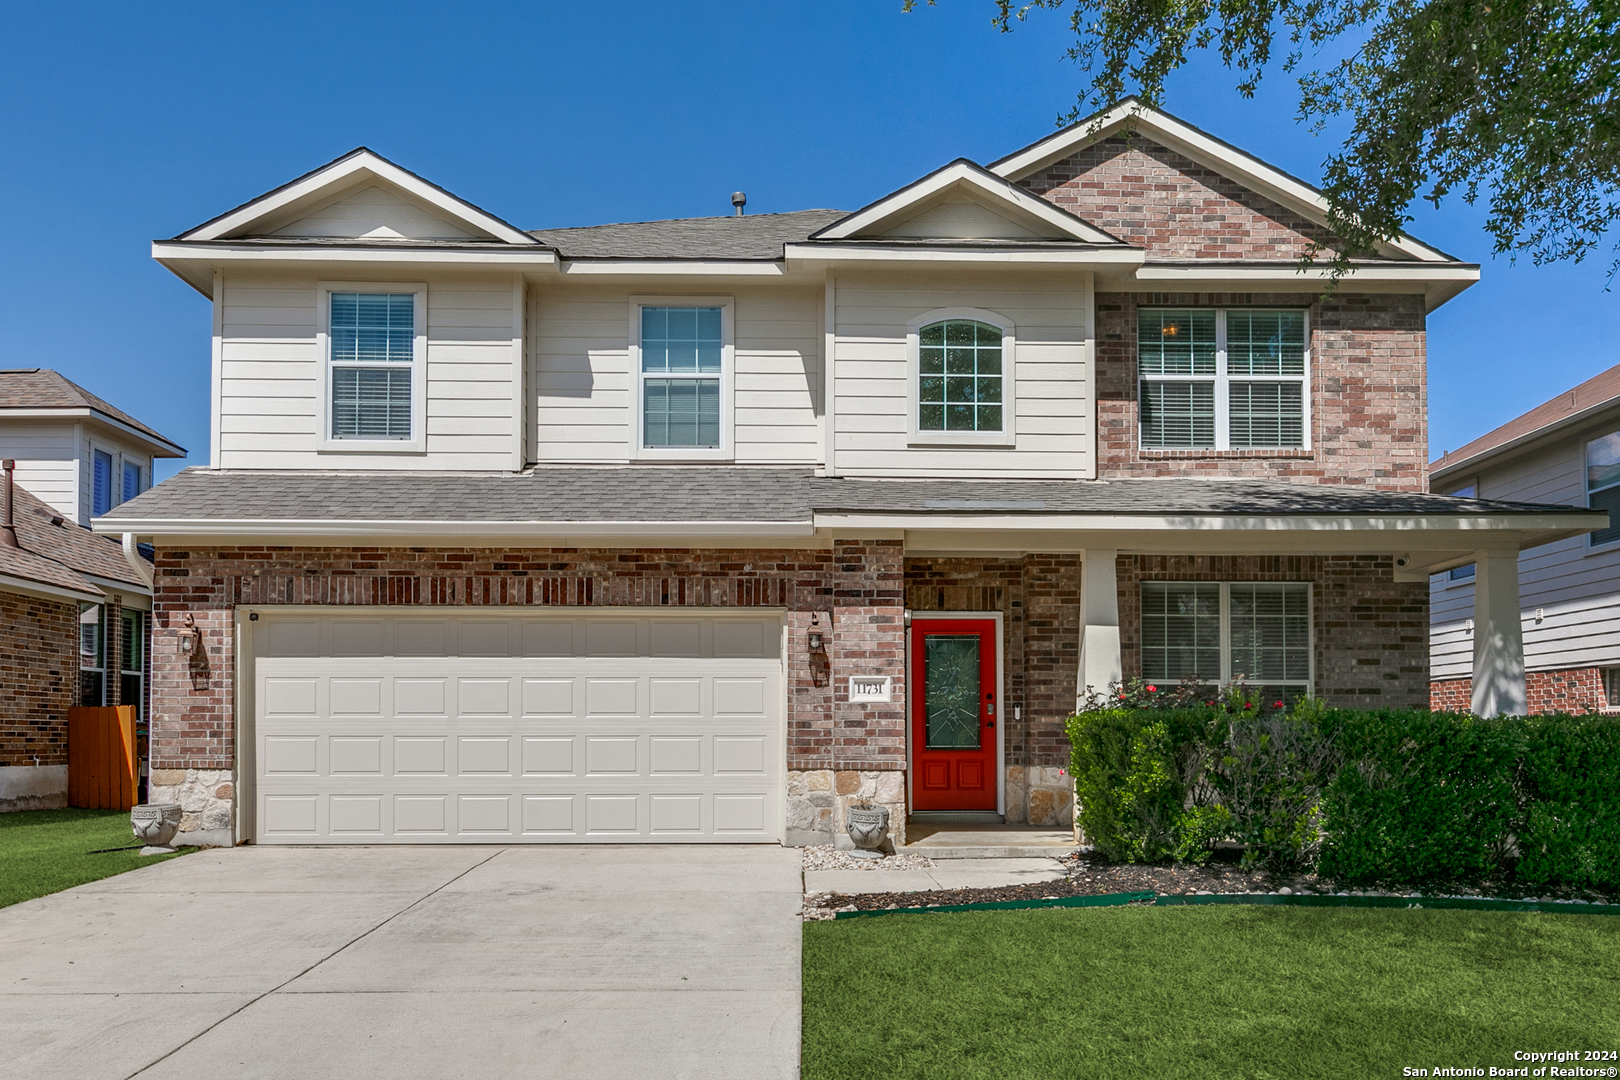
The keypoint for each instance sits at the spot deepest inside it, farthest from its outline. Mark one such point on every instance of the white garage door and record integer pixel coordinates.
(425, 727)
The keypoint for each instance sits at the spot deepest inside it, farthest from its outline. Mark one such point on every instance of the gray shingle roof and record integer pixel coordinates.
(55, 551)
(722, 494)
(43, 388)
(752, 236)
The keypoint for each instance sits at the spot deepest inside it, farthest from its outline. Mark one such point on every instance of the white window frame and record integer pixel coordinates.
(325, 443)
(726, 451)
(115, 486)
(1223, 380)
(1587, 490)
(1226, 628)
(1008, 434)
(143, 480)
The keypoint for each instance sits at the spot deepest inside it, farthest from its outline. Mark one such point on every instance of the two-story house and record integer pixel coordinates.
(1565, 450)
(74, 610)
(699, 530)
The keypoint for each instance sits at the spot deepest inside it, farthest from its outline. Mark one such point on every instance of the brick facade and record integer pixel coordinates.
(1039, 598)
(1368, 394)
(856, 587)
(1149, 195)
(1371, 632)
(1575, 691)
(39, 668)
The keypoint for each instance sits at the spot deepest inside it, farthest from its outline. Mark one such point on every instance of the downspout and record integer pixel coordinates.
(132, 555)
(8, 521)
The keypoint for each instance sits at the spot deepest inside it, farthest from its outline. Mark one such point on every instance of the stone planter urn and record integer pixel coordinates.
(868, 828)
(155, 824)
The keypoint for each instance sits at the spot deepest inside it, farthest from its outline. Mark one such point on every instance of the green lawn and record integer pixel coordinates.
(46, 851)
(1206, 992)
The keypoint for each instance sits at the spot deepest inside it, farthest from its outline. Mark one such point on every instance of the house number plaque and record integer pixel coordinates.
(870, 688)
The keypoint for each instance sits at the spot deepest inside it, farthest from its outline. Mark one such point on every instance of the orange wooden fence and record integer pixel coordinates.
(101, 757)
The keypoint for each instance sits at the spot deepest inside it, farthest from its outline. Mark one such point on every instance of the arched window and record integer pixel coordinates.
(959, 376)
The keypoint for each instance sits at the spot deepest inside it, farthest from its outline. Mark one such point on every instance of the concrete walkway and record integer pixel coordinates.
(487, 962)
(951, 874)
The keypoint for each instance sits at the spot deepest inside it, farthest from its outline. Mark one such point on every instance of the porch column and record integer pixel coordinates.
(1498, 635)
(1099, 622)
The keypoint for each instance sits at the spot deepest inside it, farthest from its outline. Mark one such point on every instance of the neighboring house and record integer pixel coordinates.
(73, 630)
(699, 530)
(1567, 451)
(75, 457)
(72, 449)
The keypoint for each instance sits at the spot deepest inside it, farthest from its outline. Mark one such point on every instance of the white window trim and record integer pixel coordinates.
(1586, 496)
(1223, 386)
(324, 442)
(1008, 435)
(726, 451)
(1226, 628)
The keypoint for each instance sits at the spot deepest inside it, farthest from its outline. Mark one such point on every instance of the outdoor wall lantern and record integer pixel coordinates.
(191, 636)
(818, 640)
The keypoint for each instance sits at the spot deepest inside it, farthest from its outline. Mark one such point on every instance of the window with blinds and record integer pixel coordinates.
(1603, 485)
(372, 338)
(101, 482)
(132, 481)
(682, 357)
(1221, 631)
(1220, 379)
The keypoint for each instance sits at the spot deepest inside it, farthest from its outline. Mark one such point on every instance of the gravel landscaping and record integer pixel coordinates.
(826, 858)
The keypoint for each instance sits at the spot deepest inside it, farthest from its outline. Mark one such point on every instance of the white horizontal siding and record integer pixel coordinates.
(270, 369)
(374, 211)
(579, 355)
(47, 462)
(1574, 589)
(1053, 424)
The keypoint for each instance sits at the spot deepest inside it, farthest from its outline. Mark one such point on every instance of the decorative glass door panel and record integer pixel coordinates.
(954, 714)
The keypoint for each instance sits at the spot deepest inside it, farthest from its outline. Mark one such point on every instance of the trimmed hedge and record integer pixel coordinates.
(1394, 797)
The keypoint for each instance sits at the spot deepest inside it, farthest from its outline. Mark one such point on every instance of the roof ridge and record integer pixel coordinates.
(704, 217)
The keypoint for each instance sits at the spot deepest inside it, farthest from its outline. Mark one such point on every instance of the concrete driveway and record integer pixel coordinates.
(485, 962)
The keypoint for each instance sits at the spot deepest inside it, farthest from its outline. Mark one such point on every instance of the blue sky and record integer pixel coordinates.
(127, 123)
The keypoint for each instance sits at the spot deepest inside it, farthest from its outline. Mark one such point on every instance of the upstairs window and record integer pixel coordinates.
(1222, 379)
(373, 348)
(683, 376)
(101, 482)
(1603, 485)
(132, 481)
(1462, 573)
(959, 376)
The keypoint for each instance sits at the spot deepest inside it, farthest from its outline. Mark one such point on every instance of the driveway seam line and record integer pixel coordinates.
(360, 937)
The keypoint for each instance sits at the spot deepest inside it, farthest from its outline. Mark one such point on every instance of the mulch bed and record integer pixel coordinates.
(1090, 875)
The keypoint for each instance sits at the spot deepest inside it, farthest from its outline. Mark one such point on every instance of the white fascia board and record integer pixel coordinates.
(482, 530)
(163, 447)
(963, 173)
(823, 254)
(673, 267)
(1440, 282)
(107, 584)
(1231, 162)
(405, 255)
(346, 172)
(1422, 530)
(40, 590)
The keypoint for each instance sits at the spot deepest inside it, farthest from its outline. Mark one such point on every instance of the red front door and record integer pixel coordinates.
(954, 713)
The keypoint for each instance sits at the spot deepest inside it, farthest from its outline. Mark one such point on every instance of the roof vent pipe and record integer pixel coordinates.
(739, 200)
(8, 530)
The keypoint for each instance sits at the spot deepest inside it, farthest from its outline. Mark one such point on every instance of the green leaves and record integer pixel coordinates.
(1394, 797)
(1515, 100)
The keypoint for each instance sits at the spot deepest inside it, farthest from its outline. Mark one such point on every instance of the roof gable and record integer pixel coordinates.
(360, 195)
(45, 388)
(963, 201)
(1244, 169)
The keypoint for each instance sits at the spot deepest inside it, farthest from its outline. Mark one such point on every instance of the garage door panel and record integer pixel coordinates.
(417, 747)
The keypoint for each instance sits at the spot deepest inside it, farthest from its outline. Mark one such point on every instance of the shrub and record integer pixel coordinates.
(1133, 771)
(1570, 792)
(1268, 773)
(1422, 798)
